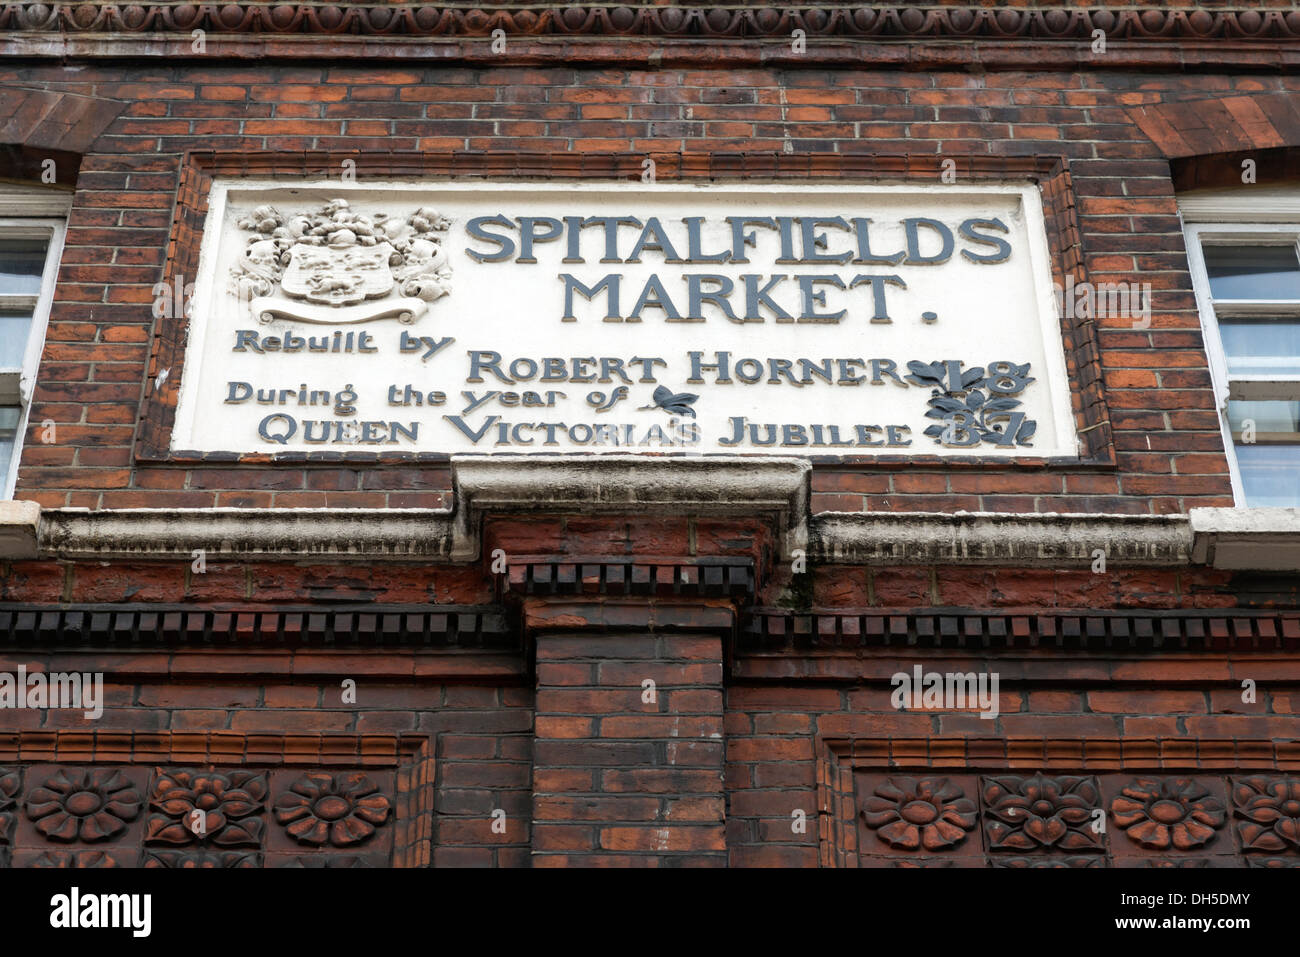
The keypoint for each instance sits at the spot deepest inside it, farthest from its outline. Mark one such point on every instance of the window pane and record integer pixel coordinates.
(14, 326)
(1267, 440)
(21, 263)
(9, 418)
(1266, 421)
(1270, 474)
(1253, 272)
(1261, 346)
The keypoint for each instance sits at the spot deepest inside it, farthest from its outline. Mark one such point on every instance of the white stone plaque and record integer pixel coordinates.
(518, 317)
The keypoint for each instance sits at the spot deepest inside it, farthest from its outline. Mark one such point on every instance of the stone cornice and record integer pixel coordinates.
(772, 489)
(1246, 538)
(738, 487)
(847, 33)
(997, 538)
(155, 533)
(20, 524)
(716, 486)
(1228, 538)
(1238, 539)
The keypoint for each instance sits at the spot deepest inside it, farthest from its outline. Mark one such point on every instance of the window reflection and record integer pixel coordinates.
(1253, 272)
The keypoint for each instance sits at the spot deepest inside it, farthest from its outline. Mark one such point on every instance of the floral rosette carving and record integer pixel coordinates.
(87, 806)
(911, 813)
(10, 784)
(202, 859)
(1041, 812)
(76, 859)
(1177, 812)
(1271, 808)
(207, 807)
(1193, 863)
(341, 809)
(911, 863)
(1023, 862)
(313, 861)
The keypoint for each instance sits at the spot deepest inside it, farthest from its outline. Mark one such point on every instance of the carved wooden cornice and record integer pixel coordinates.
(956, 21)
(1142, 632)
(140, 627)
(648, 577)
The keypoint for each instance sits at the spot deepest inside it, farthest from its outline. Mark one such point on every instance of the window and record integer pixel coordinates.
(1247, 281)
(31, 240)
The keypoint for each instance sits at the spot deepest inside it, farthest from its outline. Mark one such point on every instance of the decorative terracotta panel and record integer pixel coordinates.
(1267, 812)
(256, 808)
(981, 803)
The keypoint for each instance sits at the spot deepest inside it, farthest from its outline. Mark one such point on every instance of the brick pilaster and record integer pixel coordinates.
(626, 772)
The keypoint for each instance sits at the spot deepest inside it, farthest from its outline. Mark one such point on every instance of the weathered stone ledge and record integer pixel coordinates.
(774, 489)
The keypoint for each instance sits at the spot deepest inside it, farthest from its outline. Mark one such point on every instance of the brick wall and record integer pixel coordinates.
(628, 773)
(479, 734)
(95, 371)
(1094, 714)
(549, 754)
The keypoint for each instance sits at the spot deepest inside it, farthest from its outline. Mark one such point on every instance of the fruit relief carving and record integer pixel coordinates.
(333, 265)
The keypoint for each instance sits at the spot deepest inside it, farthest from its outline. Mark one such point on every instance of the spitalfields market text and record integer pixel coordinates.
(798, 241)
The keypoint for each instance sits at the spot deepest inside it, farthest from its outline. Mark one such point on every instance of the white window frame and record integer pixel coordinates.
(30, 213)
(1238, 217)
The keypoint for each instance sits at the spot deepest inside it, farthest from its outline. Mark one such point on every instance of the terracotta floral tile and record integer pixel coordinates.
(70, 805)
(217, 809)
(80, 859)
(1042, 814)
(325, 811)
(200, 858)
(918, 815)
(1266, 813)
(1167, 816)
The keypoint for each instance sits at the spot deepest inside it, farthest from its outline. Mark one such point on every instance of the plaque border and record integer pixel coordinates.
(1050, 173)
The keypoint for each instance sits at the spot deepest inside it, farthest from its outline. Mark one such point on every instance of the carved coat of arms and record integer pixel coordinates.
(333, 265)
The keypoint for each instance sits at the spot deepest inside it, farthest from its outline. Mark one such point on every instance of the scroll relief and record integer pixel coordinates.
(336, 266)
